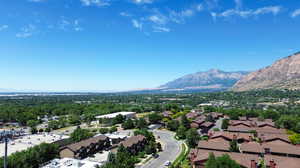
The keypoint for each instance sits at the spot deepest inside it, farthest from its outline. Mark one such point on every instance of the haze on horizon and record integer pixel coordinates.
(87, 45)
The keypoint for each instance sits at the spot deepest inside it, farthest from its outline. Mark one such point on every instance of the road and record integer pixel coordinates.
(171, 149)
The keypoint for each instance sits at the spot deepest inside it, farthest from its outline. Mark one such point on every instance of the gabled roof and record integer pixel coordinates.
(274, 146)
(215, 144)
(199, 121)
(192, 115)
(230, 136)
(207, 124)
(245, 159)
(194, 125)
(133, 140)
(273, 137)
(85, 143)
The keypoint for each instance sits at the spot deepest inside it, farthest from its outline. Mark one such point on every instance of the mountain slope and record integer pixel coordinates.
(213, 80)
(283, 74)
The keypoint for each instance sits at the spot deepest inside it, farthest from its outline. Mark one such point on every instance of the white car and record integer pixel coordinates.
(168, 163)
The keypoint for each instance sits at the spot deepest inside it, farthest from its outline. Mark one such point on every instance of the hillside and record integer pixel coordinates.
(283, 74)
(213, 79)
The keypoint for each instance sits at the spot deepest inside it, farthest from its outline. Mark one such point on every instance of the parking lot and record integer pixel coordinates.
(24, 142)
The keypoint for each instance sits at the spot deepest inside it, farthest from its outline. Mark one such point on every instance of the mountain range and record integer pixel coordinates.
(283, 74)
(212, 80)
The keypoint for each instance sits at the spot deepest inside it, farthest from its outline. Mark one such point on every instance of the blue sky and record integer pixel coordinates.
(67, 45)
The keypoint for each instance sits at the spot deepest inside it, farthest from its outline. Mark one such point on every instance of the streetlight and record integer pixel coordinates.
(5, 136)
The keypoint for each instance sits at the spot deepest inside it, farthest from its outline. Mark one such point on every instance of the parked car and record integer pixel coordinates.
(155, 155)
(168, 163)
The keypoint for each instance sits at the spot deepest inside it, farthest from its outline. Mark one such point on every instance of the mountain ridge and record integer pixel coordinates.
(282, 74)
(213, 79)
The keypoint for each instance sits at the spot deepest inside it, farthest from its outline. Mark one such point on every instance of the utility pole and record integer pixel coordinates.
(6, 135)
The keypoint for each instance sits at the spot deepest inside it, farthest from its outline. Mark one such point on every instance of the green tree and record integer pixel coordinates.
(180, 133)
(211, 161)
(185, 122)
(32, 123)
(155, 118)
(118, 119)
(173, 125)
(234, 146)
(128, 124)
(295, 138)
(80, 134)
(223, 161)
(192, 137)
(103, 130)
(149, 135)
(113, 129)
(141, 123)
(225, 124)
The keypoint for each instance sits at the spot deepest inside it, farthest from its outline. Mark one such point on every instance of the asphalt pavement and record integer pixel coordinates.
(171, 149)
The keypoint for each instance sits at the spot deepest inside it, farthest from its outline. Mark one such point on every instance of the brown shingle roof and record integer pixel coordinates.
(274, 146)
(272, 137)
(192, 115)
(215, 144)
(230, 136)
(85, 143)
(207, 124)
(245, 159)
(132, 140)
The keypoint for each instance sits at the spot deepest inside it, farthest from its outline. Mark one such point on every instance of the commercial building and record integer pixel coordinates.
(71, 163)
(128, 115)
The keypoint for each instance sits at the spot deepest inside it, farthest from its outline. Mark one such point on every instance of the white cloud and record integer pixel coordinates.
(158, 19)
(142, 1)
(295, 13)
(248, 13)
(159, 29)
(137, 24)
(95, 2)
(3, 27)
(27, 31)
(77, 26)
(69, 24)
(270, 9)
(125, 14)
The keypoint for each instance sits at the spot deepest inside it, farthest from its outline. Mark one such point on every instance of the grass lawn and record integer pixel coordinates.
(184, 152)
(140, 115)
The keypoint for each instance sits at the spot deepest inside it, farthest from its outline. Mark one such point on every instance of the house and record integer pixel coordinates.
(273, 137)
(85, 148)
(276, 147)
(216, 115)
(205, 127)
(229, 136)
(198, 157)
(192, 115)
(134, 144)
(167, 114)
(218, 144)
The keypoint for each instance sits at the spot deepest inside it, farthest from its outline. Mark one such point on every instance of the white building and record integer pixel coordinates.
(71, 163)
(25, 142)
(128, 115)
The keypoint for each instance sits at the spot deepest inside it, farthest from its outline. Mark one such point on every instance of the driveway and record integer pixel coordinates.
(218, 124)
(171, 149)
